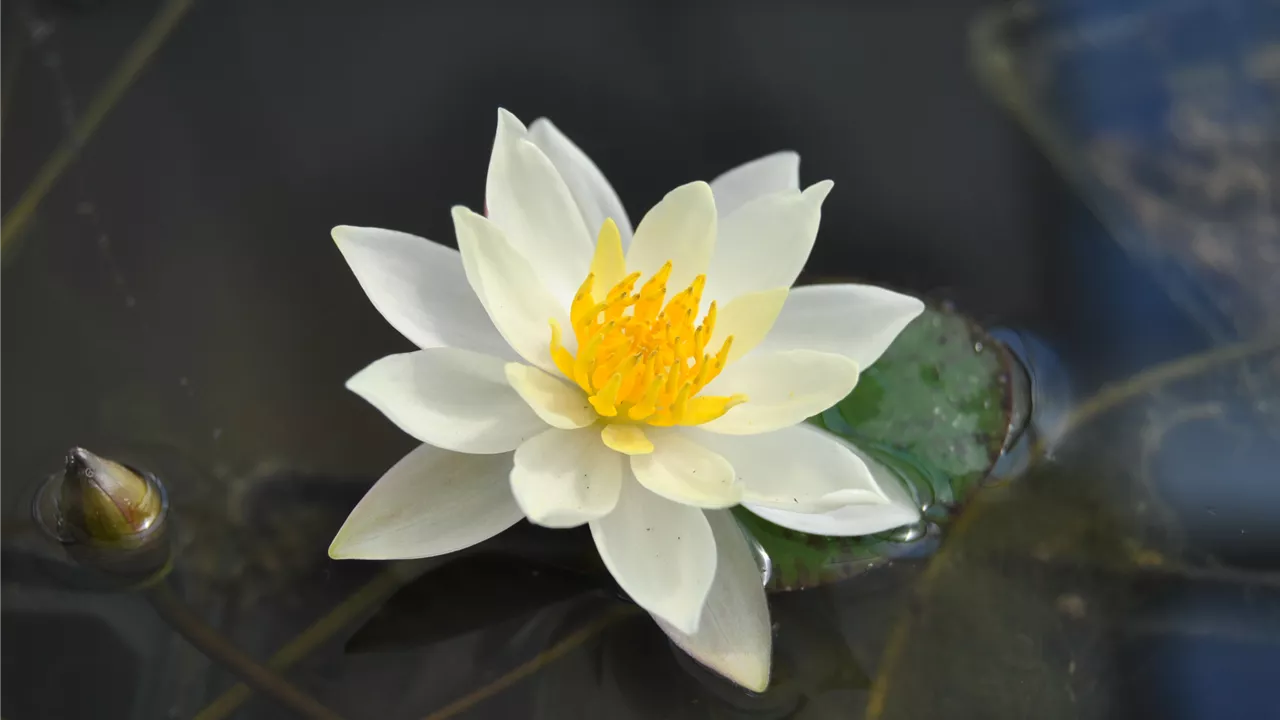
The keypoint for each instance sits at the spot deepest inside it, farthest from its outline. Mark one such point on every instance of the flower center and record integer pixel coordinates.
(642, 361)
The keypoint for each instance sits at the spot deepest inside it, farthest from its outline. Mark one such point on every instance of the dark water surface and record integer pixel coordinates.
(174, 299)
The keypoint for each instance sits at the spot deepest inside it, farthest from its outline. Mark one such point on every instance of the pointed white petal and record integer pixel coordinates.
(735, 636)
(762, 176)
(509, 288)
(749, 319)
(766, 242)
(681, 470)
(782, 389)
(419, 287)
(591, 190)
(857, 321)
(557, 402)
(564, 478)
(430, 503)
(527, 198)
(451, 398)
(661, 553)
(897, 510)
(680, 228)
(800, 468)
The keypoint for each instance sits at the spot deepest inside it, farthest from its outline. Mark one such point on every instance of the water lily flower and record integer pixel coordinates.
(573, 371)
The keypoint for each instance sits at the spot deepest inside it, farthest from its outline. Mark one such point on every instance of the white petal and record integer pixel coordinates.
(557, 402)
(856, 518)
(681, 470)
(800, 468)
(591, 190)
(419, 287)
(430, 503)
(509, 288)
(749, 319)
(782, 389)
(564, 478)
(857, 321)
(661, 553)
(735, 636)
(451, 398)
(527, 198)
(680, 228)
(762, 176)
(765, 243)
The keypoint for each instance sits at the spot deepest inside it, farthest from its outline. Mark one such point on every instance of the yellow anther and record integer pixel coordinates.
(640, 360)
(605, 401)
(561, 357)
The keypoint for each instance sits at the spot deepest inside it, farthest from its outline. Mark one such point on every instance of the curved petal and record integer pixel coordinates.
(782, 389)
(854, 519)
(681, 470)
(564, 478)
(735, 636)
(766, 242)
(681, 228)
(800, 468)
(527, 198)
(509, 288)
(451, 398)
(661, 553)
(420, 288)
(762, 176)
(557, 402)
(432, 502)
(749, 319)
(591, 190)
(857, 321)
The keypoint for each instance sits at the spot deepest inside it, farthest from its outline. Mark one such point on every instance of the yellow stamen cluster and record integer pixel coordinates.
(640, 361)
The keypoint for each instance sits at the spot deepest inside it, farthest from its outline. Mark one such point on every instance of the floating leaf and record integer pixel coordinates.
(936, 408)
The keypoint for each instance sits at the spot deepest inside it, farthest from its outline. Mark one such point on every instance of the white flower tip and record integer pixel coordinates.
(915, 307)
(461, 215)
(341, 233)
(817, 192)
(508, 122)
(540, 123)
(340, 549)
(750, 672)
(697, 187)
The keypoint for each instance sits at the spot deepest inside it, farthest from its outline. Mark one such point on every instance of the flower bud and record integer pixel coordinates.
(105, 503)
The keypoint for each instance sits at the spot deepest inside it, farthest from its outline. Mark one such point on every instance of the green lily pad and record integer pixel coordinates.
(937, 408)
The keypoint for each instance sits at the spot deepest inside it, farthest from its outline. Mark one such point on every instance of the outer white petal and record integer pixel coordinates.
(510, 290)
(857, 321)
(527, 198)
(661, 553)
(591, 190)
(451, 398)
(680, 228)
(430, 503)
(735, 636)
(853, 519)
(564, 478)
(419, 287)
(800, 468)
(765, 243)
(782, 388)
(557, 402)
(684, 471)
(762, 176)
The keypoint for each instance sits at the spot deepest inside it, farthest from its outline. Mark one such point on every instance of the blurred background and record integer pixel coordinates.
(1100, 179)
